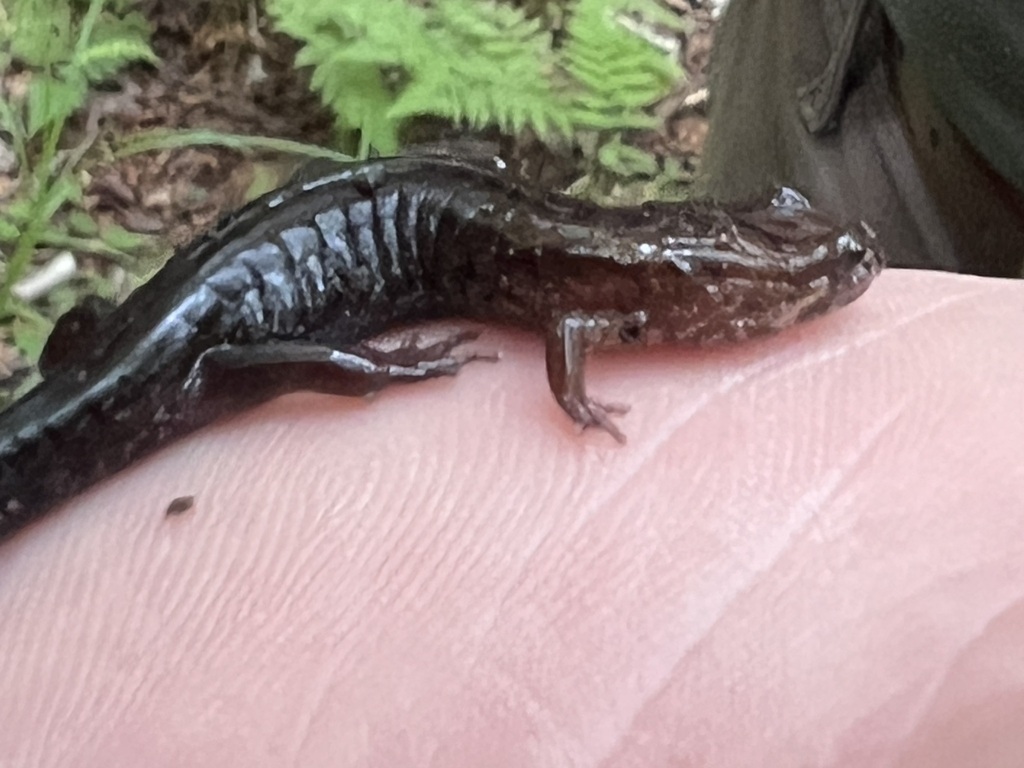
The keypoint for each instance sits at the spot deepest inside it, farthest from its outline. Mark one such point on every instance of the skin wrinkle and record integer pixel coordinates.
(728, 383)
(103, 704)
(540, 712)
(296, 574)
(449, 557)
(313, 575)
(640, 456)
(856, 457)
(927, 311)
(457, 559)
(522, 584)
(930, 695)
(307, 713)
(806, 508)
(95, 701)
(49, 717)
(285, 577)
(241, 569)
(359, 531)
(581, 523)
(209, 595)
(463, 567)
(517, 581)
(244, 564)
(90, 697)
(405, 532)
(212, 637)
(183, 592)
(578, 522)
(80, 675)
(613, 500)
(837, 753)
(567, 556)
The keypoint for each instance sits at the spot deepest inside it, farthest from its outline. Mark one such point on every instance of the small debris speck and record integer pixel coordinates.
(180, 505)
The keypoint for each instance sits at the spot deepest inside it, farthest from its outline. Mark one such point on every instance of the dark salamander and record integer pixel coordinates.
(285, 294)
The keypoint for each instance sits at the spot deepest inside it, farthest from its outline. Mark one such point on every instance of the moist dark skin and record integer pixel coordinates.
(287, 294)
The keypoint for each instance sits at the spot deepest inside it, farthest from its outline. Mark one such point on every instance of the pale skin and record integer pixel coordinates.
(810, 552)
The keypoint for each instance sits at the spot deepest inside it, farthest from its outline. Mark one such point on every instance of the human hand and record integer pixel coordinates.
(809, 553)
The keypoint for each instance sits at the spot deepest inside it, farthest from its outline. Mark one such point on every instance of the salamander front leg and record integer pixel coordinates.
(257, 372)
(569, 340)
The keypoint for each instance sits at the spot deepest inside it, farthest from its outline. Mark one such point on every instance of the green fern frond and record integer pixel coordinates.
(617, 73)
(352, 46)
(117, 39)
(487, 65)
(379, 63)
(102, 60)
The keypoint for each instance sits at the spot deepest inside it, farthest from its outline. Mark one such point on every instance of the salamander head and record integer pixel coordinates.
(758, 270)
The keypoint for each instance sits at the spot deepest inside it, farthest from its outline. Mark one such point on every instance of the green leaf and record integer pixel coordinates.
(8, 120)
(117, 23)
(8, 230)
(29, 332)
(82, 224)
(19, 210)
(42, 36)
(160, 138)
(65, 188)
(624, 160)
(121, 239)
(52, 101)
(264, 180)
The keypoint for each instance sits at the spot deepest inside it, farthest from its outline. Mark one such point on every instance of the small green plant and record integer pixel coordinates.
(60, 47)
(380, 63)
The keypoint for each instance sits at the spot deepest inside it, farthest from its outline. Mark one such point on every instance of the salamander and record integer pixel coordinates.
(289, 292)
